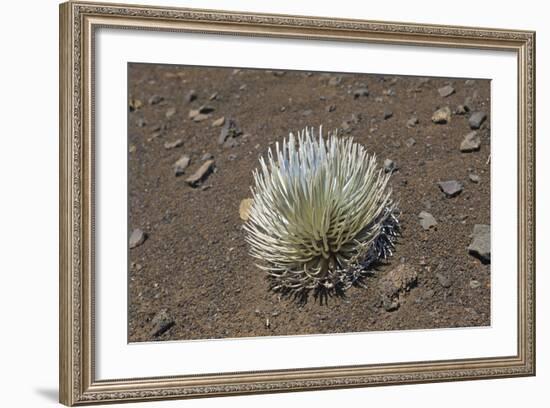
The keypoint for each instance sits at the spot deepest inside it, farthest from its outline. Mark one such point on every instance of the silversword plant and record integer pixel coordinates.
(322, 214)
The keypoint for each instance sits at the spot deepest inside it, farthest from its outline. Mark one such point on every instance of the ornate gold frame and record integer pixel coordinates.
(76, 346)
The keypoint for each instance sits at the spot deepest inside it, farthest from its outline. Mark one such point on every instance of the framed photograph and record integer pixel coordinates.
(258, 203)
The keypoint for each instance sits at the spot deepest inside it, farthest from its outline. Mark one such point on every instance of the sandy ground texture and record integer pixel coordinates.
(190, 274)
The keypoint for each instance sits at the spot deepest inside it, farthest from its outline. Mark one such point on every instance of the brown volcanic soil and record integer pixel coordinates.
(194, 262)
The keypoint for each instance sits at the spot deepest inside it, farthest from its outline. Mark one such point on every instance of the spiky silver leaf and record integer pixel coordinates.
(322, 213)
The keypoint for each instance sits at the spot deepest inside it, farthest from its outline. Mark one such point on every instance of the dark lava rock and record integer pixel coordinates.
(461, 110)
(442, 116)
(389, 165)
(201, 117)
(201, 174)
(412, 122)
(137, 237)
(394, 284)
(229, 131)
(445, 91)
(476, 119)
(162, 322)
(361, 92)
(410, 142)
(450, 188)
(206, 109)
(474, 178)
(480, 246)
(471, 143)
(218, 122)
(174, 144)
(427, 220)
(191, 96)
(181, 165)
(155, 100)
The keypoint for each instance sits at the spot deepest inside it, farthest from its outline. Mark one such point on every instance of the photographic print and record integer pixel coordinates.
(258, 219)
(276, 203)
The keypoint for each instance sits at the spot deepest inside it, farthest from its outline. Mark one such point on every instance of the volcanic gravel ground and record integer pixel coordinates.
(193, 271)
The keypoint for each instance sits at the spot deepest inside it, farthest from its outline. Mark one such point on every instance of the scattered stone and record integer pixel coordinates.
(155, 100)
(330, 108)
(442, 116)
(427, 220)
(229, 133)
(135, 104)
(412, 122)
(213, 96)
(480, 246)
(444, 280)
(445, 91)
(141, 122)
(132, 148)
(474, 284)
(193, 113)
(244, 208)
(267, 323)
(205, 109)
(181, 164)
(335, 80)
(410, 142)
(471, 143)
(450, 188)
(389, 92)
(462, 110)
(137, 237)
(356, 118)
(387, 114)
(242, 87)
(389, 166)
(201, 117)
(361, 92)
(474, 178)
(218, 122)
(162, 322)
(279, 73)
(470, 82)
(232, 157)
(191, 96)
(170, 112)
(207, 156)
(174, 144)
(394, 284)
(283, 108)
(476, 119)
(307, 112)
(201, 174)
(346, 127)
